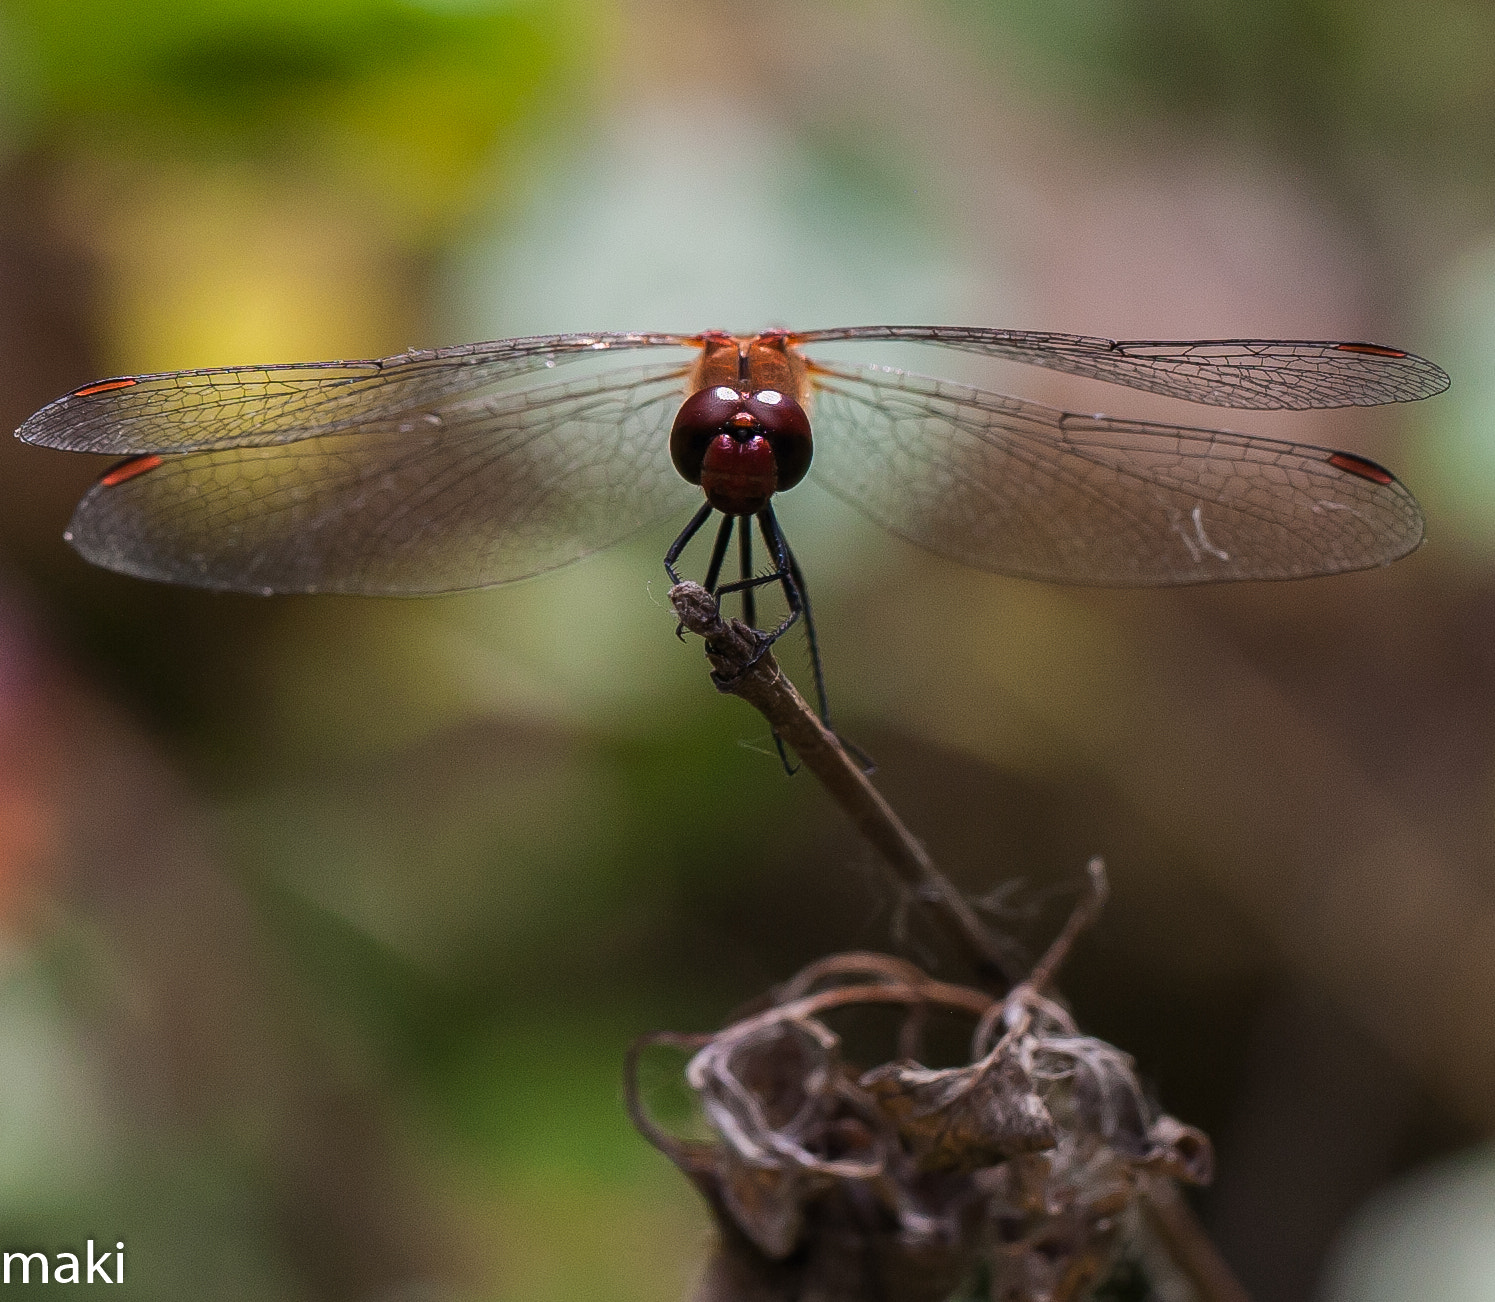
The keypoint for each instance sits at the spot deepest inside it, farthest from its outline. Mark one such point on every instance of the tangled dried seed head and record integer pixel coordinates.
(963, 1118)
(896, 1181)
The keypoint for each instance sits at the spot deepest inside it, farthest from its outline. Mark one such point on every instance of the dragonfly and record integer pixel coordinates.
(465, 467)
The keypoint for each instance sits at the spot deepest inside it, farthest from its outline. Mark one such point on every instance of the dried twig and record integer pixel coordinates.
(895, 1182)
(1083, 915)
(742, 666)
(1189, 1247)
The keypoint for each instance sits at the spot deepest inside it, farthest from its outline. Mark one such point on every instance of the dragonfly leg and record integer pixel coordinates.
(745, 555)
(783, 574)
(719, 553)
(797, 594)
(748, 585)
(773, 539)
(683, 541)
(783, 571)
(718, 557)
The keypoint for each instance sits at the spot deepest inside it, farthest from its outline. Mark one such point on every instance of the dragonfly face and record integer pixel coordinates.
(740, 435)
(466, 467)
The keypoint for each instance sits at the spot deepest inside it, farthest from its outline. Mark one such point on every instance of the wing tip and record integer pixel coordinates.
(1437, 378)
(39, 428)
(1428, 378)
(50, 426)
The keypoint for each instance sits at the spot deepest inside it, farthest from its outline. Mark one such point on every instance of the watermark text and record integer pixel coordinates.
(65, 1267)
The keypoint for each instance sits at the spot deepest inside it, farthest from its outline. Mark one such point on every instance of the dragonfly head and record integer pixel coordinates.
(741, 447)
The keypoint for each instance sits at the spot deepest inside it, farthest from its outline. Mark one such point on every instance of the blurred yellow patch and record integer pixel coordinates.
(231, 266)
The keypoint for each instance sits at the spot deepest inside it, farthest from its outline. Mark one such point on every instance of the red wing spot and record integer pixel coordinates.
(103, 387)
(129, 469)
(1375, 350)
(1360, 466)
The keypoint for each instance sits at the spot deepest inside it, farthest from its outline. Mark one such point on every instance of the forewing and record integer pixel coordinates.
(1250, 373)
(496, 489)
(1022, 489)
(248, 406)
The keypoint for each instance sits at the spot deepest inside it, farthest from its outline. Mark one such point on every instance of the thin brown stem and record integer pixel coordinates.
(1082, 916)
(938, 994)
(1015, 1011)
(874, 967)
(1189, 1247)
(742, 666)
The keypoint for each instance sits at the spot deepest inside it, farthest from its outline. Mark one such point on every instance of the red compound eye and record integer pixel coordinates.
(701, 417)
(710, 414)
(787, 429)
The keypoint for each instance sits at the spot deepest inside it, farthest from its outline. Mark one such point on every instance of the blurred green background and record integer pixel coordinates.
(325, 921)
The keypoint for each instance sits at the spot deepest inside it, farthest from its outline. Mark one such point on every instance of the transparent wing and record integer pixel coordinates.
(245, 406)
(1254, 373)
(491, 490)
(1022, 489)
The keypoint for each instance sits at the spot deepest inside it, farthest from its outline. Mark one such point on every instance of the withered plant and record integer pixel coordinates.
(1021, 1175)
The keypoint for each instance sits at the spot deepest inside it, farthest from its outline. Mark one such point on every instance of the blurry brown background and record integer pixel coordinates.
(326, 921)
